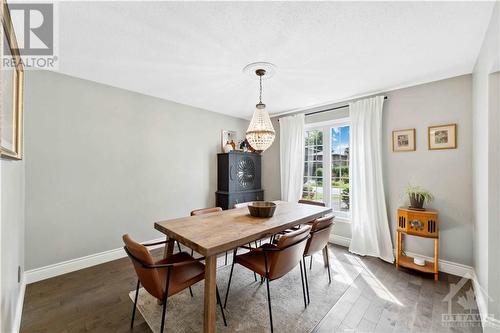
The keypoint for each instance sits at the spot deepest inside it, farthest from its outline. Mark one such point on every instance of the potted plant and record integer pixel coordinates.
(418, 197)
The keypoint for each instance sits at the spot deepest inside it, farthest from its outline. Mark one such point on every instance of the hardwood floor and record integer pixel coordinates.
(380, 299)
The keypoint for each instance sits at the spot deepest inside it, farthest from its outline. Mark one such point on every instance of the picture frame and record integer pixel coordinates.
(227, 135)
(442, 137)
(12, 91)
(403, 140)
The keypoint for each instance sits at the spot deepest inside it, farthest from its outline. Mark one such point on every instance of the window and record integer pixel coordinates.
(326, 176)
(340, 169)
(313, 166)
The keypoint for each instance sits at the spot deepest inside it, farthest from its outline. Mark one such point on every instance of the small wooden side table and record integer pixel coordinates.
(422, 224)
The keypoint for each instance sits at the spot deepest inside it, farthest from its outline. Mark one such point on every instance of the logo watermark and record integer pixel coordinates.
(36, 33)
(468, 315)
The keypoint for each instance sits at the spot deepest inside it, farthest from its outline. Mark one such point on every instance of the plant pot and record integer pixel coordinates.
(416, 203)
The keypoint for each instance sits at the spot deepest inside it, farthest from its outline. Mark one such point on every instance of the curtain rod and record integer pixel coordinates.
(326, 110)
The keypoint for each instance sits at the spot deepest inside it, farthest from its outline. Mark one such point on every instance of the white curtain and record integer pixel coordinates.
(370, 226)
(292, 157)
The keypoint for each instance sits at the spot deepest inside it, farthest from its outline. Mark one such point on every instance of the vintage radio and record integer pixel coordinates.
(419, 223)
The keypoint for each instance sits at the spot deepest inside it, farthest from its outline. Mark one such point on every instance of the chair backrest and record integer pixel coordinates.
(203, 211)
(148, 277)
(242, 204)
(291, 249)
(312, 202)
(320, 234)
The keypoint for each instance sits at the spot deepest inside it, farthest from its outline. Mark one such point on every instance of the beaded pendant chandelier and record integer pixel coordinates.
(260, 132)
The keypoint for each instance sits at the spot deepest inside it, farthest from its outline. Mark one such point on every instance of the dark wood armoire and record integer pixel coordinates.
(238, 178)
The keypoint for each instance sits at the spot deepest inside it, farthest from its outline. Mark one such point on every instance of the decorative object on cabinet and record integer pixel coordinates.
(418, 197)
(421, 224)
(12, 89)
(443, 137)
(227, 147)
(226, 137)
(238, 178)
(245, 146)
(260, 133)
(403, 140)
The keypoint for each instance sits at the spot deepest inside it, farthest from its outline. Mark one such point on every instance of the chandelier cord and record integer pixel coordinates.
(260, 92)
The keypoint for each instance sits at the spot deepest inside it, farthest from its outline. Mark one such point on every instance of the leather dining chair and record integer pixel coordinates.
(166, 277)
(312, 202)
(274, 261)
(318, 241)
(203, 211)
(242, 204)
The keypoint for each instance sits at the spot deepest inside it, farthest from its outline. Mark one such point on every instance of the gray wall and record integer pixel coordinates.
(102, 161)
(486, 164)
(12, 240)
(446, 173)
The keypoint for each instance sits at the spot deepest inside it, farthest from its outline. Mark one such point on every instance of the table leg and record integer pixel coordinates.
(436, 259)
(169, 249)
(325, 259)
(210, 301)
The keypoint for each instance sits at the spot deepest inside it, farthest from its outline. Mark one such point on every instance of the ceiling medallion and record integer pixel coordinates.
(260, 133)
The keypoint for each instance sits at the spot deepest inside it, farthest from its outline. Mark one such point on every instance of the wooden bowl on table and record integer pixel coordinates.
(262, 208)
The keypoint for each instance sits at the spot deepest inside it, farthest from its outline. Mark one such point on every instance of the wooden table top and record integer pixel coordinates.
(222, 231)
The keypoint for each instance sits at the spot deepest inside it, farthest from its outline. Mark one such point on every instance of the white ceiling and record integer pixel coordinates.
(194, 52)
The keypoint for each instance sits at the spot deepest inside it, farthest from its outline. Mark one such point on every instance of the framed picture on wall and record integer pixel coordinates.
(11, 108)
(403, 140)
(443, 137)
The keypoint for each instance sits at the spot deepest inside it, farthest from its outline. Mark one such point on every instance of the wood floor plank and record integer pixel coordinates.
(379, 299)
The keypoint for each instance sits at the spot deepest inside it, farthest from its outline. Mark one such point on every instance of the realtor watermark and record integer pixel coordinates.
(36, 32)
(468, 315)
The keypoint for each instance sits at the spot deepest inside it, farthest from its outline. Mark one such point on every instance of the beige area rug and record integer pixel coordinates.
(247, 309)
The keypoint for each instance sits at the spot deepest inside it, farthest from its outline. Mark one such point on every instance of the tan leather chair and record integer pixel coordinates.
(165, 277)
(312, 202)
(242, 204)
(274, 261)
(318, 241)
(203, 211)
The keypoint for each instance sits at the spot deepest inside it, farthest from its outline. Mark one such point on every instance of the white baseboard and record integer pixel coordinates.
(42, 273)
(19, 308)
(488, 322)
(444, 265)
(340, 240)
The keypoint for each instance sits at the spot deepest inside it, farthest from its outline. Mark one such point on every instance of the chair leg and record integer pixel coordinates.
(191, 291)
(135, 303)
(307, 282)
(328, 264)
(225, 262)
(303, 286)
(220, 304)
(163, 315)
(230, 277)
(269, 304)
(179, 247)
(165, 301)
(311, 263)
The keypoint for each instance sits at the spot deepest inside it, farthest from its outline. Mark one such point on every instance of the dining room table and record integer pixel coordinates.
(215, 233)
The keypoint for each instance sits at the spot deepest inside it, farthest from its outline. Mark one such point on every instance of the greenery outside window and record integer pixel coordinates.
(327, 175)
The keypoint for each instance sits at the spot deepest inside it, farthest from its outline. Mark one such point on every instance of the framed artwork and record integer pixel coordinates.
(403, 140)
(443, 137)
(227, 136)
(12, 86)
